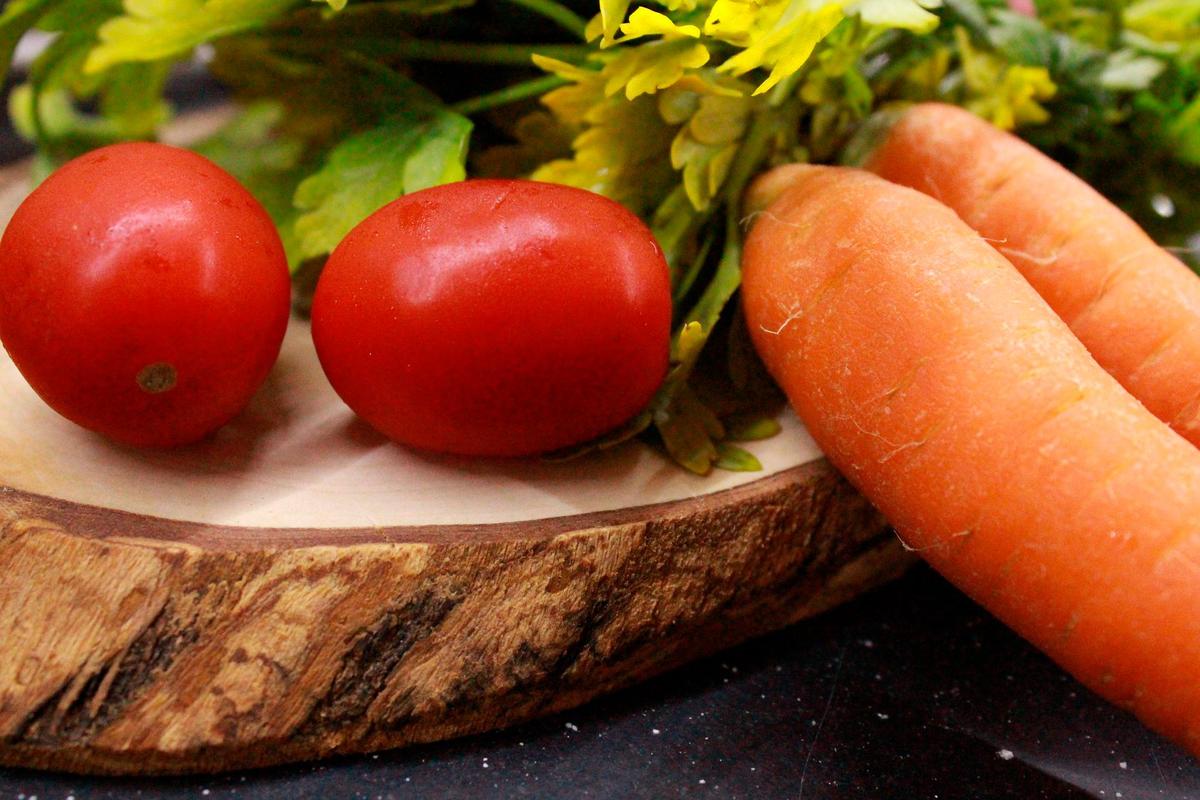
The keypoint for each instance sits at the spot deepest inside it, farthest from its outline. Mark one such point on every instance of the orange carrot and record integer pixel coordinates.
(1134, 306)
(938, 381)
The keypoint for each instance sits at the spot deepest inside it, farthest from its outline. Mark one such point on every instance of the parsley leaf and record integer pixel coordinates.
(154, 29)
(409, 151)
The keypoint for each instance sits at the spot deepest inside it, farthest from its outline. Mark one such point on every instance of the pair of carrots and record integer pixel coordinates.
(1008, 421)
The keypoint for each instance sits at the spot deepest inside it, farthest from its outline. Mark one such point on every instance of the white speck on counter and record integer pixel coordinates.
(205, 792)
(571, 726)
(702, 781)
(1123, 765)
(867, 643)
(655, 731)
(1006, 754)
(881, 715)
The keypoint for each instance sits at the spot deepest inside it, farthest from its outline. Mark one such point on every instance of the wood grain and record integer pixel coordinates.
(135, 653)
(135, 643)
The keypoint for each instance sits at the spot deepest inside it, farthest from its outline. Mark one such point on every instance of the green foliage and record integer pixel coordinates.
(16, 19)
(154, 29)
(410, 151)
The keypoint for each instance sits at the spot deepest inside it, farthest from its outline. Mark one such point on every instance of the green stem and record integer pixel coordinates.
(564, 17)
(750, 156)
(405, 86)
(517, 55)
(509, 94)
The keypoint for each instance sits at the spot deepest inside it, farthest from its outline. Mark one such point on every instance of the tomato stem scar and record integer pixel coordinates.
(157, 378)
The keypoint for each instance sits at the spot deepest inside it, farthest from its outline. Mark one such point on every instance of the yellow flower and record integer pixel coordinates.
(776, 34)
(652, 66)
(608, 21)
(621, 146)
(644, 22)
(1008, 95)
(780, 35)
(572, 102)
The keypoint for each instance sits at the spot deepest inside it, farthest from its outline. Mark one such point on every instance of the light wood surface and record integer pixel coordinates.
(299, 586)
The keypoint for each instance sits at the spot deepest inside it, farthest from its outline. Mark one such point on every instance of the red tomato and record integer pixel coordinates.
(144, 293)
(495, 317)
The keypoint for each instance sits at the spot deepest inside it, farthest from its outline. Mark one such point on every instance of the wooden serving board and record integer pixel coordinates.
(299, 586)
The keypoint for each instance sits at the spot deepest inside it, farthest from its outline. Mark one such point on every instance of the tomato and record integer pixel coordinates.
(495, 317)
(144, 293)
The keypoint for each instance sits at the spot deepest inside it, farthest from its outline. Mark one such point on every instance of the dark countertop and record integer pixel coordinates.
(910, 692)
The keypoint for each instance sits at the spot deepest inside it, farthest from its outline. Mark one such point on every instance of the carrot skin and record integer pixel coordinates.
(939, 382)
(1134, 305)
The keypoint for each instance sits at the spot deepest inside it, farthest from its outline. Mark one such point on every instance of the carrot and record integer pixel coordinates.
(938, 381)
(1133, 305)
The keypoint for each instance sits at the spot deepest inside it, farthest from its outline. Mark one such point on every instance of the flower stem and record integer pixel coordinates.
(390, 48)
(565, 18)
(509, 94)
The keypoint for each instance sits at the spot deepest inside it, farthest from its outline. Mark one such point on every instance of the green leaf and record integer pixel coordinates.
(1184, 133)
(18, 17)
(425, 8)
(131, 98)
(1128, 71)
(751, 428)
(154, 29)
(689, 430)
(407, 152)
(970, 14)
(733, 458)
(897, 14)
(605, 441)
(128, 97)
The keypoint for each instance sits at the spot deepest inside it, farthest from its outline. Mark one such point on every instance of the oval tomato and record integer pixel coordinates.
(495, 317)
(144, 293)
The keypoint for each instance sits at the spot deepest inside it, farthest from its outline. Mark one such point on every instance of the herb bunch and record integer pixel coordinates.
(669, 107)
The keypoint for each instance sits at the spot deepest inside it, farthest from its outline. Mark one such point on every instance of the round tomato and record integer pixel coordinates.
(144, 293)
(495, 317)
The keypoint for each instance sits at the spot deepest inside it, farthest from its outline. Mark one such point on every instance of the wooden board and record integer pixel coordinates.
(299, 586)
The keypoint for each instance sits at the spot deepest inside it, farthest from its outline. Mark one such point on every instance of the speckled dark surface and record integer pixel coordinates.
(911, 692)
